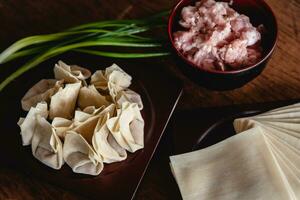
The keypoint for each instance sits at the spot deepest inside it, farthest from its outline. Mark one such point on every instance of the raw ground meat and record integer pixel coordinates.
(217, 37)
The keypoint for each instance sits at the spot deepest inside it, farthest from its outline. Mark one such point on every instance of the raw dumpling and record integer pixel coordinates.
(28, 124)
(46, 145)
(61, 126)
(105, 144)
(129, 96)
(128, 127)
(86, 128)
(99, 80)
(114, 79)
(109, 109)
(70, 74)
(80, 155)
(89, 96)
(78, 152)
(41, 91)
(64, 101)
(81, 116)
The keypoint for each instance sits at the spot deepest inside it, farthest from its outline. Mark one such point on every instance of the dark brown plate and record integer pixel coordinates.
(203, 127)
(160, 92)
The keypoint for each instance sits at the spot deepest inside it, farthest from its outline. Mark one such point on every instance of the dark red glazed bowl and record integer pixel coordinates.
(259, 13)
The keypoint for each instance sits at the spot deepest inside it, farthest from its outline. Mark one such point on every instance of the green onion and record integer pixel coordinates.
(135, 34)
(122, 55)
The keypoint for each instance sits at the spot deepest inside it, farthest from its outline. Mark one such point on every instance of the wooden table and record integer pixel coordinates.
(279, 81)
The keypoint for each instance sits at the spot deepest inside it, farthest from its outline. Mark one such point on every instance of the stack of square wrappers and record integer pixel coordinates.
(261, 162)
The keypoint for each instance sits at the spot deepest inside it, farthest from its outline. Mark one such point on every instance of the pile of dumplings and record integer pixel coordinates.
(84, 125)
(260, 162)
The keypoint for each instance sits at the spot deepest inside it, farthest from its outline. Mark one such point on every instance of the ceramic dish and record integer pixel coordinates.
(117, 180)
(259, 13)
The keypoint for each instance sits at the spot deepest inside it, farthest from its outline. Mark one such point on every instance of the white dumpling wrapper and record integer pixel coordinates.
(81, 116)
(28, 124)
(285, 109)
(86, 128)
(285, 150)
(86, 123)
(80, 155)
(128, 127)
(46, 145)
(41, 91)
(221, 172)
(61, 126)
(131, 96)
(99, 80)
(89, 96)
(285, 135)
(113, 79)
(90, 111)
(64, 101)
(70, 74)
(105, 144)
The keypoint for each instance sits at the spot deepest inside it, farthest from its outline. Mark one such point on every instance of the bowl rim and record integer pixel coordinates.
(213, 71)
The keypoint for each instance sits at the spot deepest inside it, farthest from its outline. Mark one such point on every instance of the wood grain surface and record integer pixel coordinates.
(279, 81)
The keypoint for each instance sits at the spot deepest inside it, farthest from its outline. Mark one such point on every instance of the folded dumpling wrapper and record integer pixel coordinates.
(81, 116)
(89, 96)
(131, 96)
(105, 144)
(91, 124)
(90, 111)
(62, 125)
(28, 124)
(113, 79)
(128, 127)
(64, 101)
(80, 155)
(247, 171)
(86, 128)
(99, 80)
(46, 145)
(41, 91)
(70, 73)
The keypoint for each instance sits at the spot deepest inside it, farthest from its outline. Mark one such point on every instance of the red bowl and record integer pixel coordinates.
(259, 13)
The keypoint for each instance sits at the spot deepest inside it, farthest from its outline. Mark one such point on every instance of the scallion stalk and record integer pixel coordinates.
(113, 33)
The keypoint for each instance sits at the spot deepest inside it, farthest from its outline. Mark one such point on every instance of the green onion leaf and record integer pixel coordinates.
(122, 55)
(114, 33)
